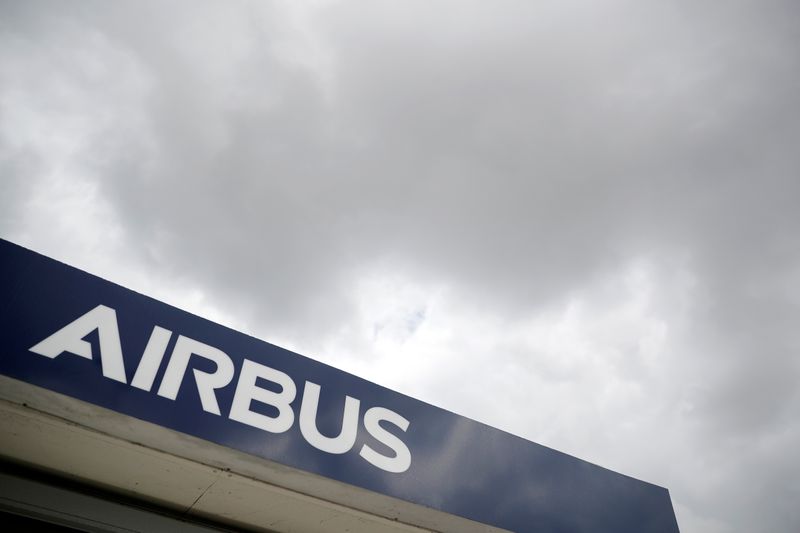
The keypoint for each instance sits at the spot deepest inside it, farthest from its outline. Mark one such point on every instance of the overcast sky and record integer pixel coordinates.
(577, 221)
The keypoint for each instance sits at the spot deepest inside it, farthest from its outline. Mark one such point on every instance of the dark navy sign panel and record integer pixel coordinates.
(456, 465)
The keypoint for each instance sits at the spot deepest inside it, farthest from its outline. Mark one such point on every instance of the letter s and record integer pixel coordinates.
(402, 459)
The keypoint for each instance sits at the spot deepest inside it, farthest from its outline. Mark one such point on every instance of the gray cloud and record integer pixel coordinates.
(519, 155)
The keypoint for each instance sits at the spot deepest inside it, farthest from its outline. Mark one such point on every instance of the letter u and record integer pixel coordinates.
(308, 422)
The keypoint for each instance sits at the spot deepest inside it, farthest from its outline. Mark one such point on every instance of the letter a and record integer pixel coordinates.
(70, 339)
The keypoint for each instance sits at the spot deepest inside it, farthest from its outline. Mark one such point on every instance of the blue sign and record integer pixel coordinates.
(79, 335)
